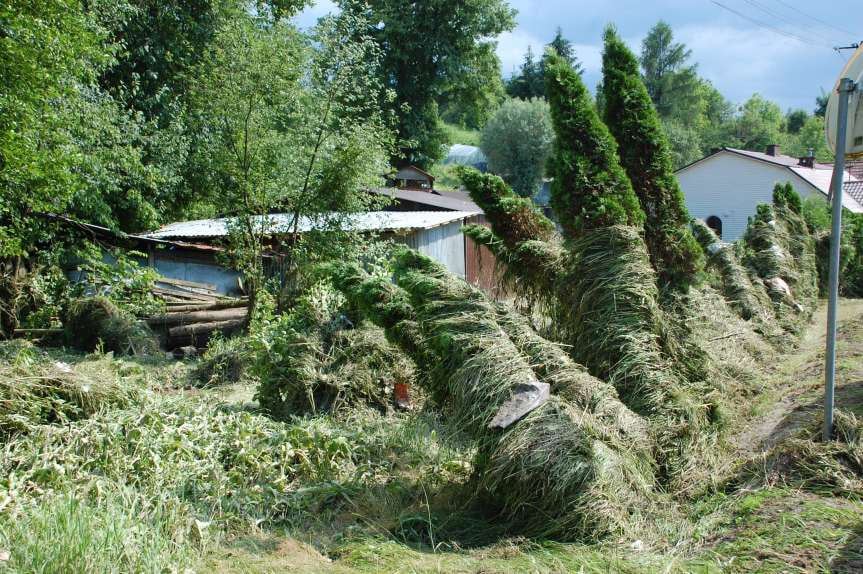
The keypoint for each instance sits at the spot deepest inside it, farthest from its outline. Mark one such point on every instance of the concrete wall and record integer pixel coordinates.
(730, 187)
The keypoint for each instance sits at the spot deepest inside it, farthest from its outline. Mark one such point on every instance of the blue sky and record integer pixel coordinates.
(778, 48)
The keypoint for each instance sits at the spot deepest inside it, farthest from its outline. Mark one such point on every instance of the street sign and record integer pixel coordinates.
(854, 138)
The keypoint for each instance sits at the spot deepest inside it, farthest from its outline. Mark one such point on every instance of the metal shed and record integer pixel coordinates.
(433, 233)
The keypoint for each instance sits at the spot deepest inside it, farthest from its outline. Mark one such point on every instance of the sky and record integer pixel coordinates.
(781, 49)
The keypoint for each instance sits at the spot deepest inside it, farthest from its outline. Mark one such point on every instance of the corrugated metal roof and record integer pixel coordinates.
(442, 199)
(279, 223)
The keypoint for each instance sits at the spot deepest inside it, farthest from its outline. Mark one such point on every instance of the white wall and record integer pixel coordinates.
(730, 187)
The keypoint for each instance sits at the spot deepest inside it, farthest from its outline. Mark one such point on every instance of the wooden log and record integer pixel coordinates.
(182, 283)
(186, 306)
(209, 316)
(178, 294)
(197, 334)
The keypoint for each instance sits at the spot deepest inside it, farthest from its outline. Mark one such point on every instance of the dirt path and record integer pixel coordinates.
(793, 384)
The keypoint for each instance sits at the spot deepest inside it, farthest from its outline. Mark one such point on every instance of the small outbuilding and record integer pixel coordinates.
(725, 187)
(412, 177)
(434, 233)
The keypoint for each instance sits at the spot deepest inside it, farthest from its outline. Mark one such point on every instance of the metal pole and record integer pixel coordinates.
(846, 86)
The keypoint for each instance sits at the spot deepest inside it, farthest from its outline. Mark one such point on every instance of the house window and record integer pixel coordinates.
(715, 224)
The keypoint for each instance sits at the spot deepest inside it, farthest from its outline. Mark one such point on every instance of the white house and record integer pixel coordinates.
(725, 187)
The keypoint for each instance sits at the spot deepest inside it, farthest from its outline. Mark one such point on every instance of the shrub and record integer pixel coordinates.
(314, 359)
(96, 322)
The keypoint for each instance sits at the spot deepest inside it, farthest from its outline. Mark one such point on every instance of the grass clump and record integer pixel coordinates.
(113, 532)
(35, 391)
(645, 154)
(805, 461)
(226, 361)
(315, 359)
(97, 323)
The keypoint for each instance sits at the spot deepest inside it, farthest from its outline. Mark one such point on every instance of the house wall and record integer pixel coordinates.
(444, 244)
(730, 187)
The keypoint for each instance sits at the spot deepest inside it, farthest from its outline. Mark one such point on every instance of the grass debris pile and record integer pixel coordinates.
(315, 359)
(97, 323)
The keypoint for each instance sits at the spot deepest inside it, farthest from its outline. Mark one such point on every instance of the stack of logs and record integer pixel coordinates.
(193, 312)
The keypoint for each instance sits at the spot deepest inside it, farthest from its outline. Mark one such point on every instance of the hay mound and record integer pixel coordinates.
(314, 359)
(93, 322)
(748, 299)
(805, 462)
(224, 362)
(35, 390)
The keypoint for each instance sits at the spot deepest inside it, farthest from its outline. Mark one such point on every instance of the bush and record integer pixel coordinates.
(96, 323)
(314, 359)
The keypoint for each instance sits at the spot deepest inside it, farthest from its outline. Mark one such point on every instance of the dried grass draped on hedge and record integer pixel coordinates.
(563, 470)
(313, 359)
(779, 249)
(748, 299)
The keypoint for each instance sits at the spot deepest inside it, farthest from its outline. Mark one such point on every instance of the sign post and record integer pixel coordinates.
(845, 88)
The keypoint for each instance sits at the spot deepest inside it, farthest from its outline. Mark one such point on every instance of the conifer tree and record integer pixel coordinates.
(645, 154)
(590, 189)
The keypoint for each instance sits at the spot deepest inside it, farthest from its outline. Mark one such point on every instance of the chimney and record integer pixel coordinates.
(809, 160)
(773, 150)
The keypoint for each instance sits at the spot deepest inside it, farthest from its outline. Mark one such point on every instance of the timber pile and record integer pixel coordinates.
(193, 312)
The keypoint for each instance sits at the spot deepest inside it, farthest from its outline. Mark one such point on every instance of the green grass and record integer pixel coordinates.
(171, 478)
(99, 532)
(461, 135)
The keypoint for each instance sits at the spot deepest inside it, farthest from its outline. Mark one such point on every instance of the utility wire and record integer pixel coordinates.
(819, 20)
(813, 34)
(766, 26)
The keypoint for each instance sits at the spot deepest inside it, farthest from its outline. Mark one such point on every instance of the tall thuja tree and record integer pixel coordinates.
(615, 323)
(597, 280)
(645, 154)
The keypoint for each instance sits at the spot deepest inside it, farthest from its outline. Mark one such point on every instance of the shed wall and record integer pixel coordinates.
(730, 187)
(444, 244)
